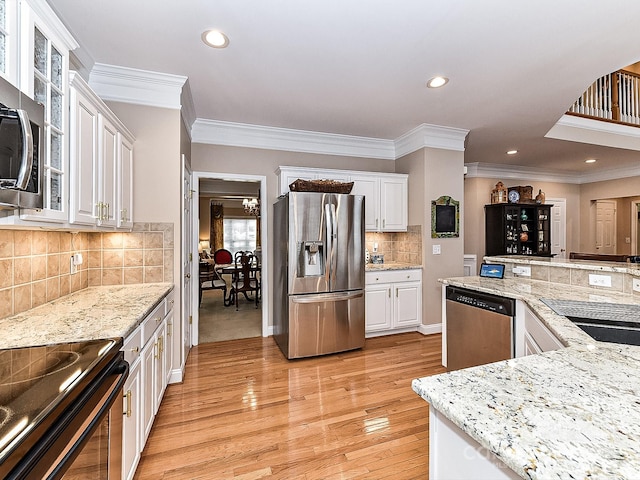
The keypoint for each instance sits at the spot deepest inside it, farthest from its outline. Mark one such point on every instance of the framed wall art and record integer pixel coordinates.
(445, 218)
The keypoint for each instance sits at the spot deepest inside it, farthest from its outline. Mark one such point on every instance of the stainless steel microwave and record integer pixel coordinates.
(21, 125)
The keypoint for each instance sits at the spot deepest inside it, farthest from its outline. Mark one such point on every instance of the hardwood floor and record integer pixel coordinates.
(245, 412)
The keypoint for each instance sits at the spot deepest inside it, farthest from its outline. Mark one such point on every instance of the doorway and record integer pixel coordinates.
(606, 226)
(247, 320)
(558, 227)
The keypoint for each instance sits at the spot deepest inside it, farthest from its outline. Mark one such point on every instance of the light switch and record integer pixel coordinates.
(436, 249)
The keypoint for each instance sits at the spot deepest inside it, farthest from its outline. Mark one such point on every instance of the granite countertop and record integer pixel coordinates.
(91, 313)
(569, 413)
(377, 267)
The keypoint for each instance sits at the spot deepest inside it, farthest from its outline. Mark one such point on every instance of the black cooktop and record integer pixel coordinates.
(38, 383)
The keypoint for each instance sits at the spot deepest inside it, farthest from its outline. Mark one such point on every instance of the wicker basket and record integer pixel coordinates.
(325, 186)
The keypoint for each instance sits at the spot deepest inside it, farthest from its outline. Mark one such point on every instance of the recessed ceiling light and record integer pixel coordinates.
(437, 82)
(591, 160)
(215, 39)
(512, 152)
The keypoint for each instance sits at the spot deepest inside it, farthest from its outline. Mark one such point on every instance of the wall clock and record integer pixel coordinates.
(514, 196)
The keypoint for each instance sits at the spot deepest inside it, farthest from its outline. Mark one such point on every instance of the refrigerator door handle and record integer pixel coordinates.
(332, 234)
(325, 297)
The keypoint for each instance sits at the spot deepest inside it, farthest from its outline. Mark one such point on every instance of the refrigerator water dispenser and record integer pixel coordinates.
(312, 261)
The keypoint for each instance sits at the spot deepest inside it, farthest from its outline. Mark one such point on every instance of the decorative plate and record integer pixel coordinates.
(514, 196)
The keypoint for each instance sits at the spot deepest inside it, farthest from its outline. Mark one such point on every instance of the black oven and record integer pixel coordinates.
(61, 411)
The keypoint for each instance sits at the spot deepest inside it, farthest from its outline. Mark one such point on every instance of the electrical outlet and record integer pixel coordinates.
(436, 250)
(522, 271)
(636, 284)
(599, 280)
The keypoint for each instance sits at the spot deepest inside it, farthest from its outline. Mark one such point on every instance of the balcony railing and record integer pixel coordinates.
(614, 97)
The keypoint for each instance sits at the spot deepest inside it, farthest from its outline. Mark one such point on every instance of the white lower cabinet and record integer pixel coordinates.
(148, 352)
(393, 301)
(535, 337)
(131, 423)
(453, 454)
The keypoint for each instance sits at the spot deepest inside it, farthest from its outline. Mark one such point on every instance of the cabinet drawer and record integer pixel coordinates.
(392, 276)
(152, 321)
(132, 346)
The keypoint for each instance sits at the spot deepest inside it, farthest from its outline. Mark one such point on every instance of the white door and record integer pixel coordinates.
(187, 262)
(635, 227)
(606, 226)
(558, 227)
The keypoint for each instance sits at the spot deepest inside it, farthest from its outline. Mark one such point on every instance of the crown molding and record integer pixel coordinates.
(188, 111)
(513, 172)
(274, 138)
(430, 136)
(52, 20)
(142, 87)
(611, 174)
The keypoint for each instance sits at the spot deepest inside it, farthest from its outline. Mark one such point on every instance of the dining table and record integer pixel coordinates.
(232, 270)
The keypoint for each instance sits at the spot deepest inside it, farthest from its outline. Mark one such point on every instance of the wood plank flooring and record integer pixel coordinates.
(245, 412)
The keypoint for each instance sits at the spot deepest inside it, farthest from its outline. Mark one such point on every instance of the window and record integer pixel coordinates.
(239, 234)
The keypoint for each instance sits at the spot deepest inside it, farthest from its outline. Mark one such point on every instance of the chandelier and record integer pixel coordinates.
(251, 206)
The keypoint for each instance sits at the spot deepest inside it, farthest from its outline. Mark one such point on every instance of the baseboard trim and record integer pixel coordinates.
(430, 329)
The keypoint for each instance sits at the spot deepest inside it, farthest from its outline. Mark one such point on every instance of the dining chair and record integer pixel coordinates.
(210, 280)
(246, 280)
(222, 256)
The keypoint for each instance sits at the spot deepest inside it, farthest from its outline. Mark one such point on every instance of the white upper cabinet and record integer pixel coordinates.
(84, 156)
(44, 58)
(101, 162)
(386, 194)
(125, 184)
(9, 40)
(393, 203)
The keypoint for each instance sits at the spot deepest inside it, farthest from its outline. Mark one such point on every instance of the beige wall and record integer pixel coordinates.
(432, 174)
(161, 138)
(477, 194)
(624, 189)
(252, 161)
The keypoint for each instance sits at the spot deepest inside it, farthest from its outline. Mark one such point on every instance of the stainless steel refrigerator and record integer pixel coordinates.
(319, 273)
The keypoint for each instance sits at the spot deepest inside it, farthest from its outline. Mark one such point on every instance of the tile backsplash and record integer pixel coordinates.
(35, 266)
(403, 247)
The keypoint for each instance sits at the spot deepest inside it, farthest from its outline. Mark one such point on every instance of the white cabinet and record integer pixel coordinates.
(148, 351)
(393, 301)
(386, 194)
(537, 337)
(454, 454)
(107, 159)
(393, 204)
(101, 156)
(131, 423)
(125, 184)
(35, 48)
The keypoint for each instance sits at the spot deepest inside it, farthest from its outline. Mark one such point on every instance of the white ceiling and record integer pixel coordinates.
(359, 67)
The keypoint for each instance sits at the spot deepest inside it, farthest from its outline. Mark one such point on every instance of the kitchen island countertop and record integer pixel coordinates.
(88, 314)
(379, 267)
(569, 413)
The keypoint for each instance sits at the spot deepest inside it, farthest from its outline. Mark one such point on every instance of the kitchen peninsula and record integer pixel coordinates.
(568, 413)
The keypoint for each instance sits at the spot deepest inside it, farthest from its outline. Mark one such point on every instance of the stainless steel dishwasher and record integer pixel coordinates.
(479, 328)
